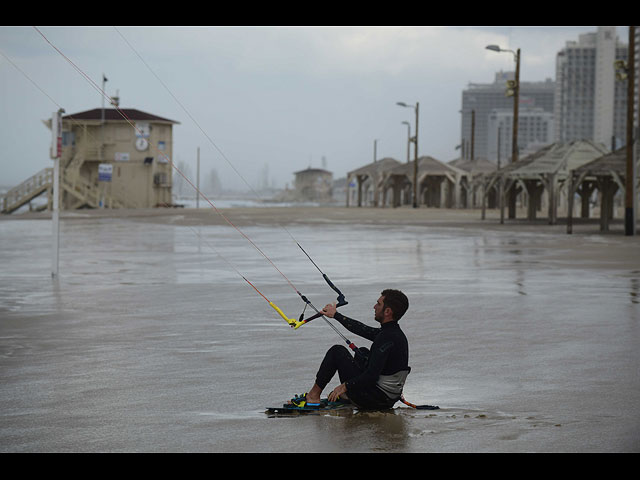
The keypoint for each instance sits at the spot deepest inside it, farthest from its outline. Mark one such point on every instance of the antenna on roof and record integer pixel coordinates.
(104, 80)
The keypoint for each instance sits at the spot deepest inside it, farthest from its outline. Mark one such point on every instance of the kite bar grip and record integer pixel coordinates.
(341, 299)
(319, 314)
(290, 321)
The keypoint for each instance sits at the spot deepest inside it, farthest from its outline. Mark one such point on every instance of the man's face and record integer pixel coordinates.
(378, 308)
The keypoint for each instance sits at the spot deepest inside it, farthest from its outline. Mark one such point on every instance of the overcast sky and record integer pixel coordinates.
(281, 96)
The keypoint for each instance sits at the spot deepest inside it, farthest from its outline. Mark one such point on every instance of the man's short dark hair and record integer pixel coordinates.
(396, 301)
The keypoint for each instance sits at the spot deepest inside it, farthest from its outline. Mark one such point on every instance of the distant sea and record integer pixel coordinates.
(234, 200)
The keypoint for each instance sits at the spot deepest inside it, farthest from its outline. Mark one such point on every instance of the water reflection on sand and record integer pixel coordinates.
(149, 340)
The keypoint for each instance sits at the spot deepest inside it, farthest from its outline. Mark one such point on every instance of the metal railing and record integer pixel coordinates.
(27, 190)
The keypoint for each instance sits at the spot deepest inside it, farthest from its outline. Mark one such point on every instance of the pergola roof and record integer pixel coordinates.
(376, 168)
(612, 162)
(557, 158)
(426, 166)
(474, 167)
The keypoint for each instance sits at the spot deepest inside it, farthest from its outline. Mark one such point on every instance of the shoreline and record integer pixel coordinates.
(587, 247)
(318, 215)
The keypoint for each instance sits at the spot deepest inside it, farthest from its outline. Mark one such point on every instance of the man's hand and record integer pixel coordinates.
(339, 390)
(329, 310)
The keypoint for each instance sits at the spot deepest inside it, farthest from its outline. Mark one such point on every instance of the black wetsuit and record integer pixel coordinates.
(389, 353)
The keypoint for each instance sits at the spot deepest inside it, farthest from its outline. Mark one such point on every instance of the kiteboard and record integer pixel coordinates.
(325, 406)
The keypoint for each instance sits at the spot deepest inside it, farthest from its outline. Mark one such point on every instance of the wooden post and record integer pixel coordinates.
(571, 193)
(629, 214)
(514, 141)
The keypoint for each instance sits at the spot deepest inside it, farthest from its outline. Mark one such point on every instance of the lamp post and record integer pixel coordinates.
(416, 107)
(630, 214)
(104, 80)
(625, 71)
(56, 154)
(473, 132)
(514, 89)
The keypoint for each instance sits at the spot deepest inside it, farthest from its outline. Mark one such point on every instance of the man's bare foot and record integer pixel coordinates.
(313, 396)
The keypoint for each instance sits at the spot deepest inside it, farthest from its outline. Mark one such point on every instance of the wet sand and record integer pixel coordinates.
(525, 336)
(569, 248)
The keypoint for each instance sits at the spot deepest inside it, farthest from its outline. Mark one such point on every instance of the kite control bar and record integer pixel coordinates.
(340, 302)
(293, 323)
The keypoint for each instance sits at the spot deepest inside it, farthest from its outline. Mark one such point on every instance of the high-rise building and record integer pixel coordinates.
(535, 130)
(486, 100)
(589, 103)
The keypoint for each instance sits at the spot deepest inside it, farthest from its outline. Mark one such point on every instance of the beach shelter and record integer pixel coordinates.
(479, 171)
(607, 175)
(368, 181)
(547, 170)
(438, 182)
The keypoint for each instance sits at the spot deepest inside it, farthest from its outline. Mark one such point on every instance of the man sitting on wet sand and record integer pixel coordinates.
(372, 379)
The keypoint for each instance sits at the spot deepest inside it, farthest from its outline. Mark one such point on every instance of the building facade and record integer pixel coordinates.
(535, 129)
(118, 158)
(589, 103)
(314, 185)
(485, 99)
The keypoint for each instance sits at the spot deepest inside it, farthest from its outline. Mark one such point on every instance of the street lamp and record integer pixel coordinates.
(416, 107)
(515, 88)
(627, 71)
